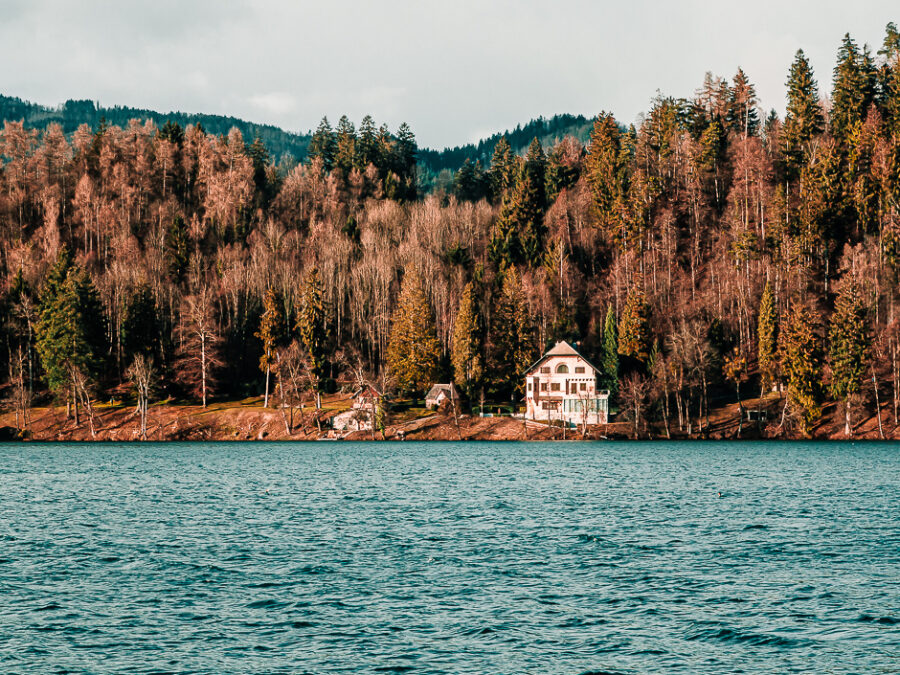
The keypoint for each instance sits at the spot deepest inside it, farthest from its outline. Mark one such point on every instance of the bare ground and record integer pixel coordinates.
(249, 420)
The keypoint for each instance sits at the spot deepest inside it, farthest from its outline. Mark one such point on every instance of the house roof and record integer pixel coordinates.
(561, 348)
(448, 389)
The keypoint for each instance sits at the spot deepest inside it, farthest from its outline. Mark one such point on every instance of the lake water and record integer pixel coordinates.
(450, 558)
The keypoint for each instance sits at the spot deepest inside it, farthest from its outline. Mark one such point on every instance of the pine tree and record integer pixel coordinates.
(141, 329)
(469, 183)
(804, 117)
(367, 144)
(466, 348)
(767, 330)
(70, 330)
(406, 152)
(609, 359)
(800, 353)
(854, 89)
(849, 339)
(889, 79)
(634, 327)
(177, 249)
(313, 329)
(271, 333)
(512, 335)
(604, 172)
(345, 145)
(562, 173)
(743, 115)
(503, 169)
(323, 145)
(414, 352)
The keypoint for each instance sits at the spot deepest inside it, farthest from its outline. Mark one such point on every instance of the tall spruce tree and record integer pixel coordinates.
(271, 333)
(141, 326)
(313, 329)
(800, 352)
(849, 339)
(414, 352)
(889, 79)
(743, 115)
(345, 145)
(804, 118)
(503, 169)
(70, 330)
(634, 327)
(767, 346)
(323, 145)
(855, 80)
(512, 336)
(609, 358)
(367, 144)
(466, 347)
(604, 172)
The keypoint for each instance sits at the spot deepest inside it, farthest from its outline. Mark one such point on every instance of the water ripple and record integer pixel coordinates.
(598, 559)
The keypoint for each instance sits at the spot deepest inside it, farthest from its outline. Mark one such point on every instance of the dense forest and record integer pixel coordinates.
(708, 251)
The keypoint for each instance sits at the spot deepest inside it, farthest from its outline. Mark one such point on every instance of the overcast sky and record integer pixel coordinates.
(456, 70)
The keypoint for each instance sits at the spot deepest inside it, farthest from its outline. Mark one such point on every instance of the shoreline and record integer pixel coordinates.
(247, 420)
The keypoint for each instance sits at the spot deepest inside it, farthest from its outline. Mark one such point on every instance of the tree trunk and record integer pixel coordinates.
(266, 397)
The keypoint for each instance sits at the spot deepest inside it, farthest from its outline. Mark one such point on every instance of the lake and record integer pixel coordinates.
(450, 558)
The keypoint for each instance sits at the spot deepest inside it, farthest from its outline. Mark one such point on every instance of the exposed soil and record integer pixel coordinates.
(249, 420)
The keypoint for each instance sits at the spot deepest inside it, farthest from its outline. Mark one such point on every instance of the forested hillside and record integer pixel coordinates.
(72, 114)
(707, 253)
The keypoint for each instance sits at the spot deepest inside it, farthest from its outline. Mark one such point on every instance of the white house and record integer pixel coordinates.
(562, 385)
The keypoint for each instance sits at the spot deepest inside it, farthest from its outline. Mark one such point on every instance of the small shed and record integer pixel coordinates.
(439, 394)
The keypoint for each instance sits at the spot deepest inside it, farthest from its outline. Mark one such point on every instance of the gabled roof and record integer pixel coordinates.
(448, 389)
(561, 348)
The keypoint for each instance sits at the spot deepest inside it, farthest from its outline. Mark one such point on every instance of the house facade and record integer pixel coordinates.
(562, 385)
(440, 394)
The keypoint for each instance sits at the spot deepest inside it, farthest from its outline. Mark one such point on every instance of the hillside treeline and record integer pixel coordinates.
(708, 251)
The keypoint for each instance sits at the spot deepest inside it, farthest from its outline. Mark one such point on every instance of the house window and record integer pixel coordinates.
(579, 370)
(584, 386)
(529, 386)
(543, 386)
(545, 370)
(562, 368)
(554, 386)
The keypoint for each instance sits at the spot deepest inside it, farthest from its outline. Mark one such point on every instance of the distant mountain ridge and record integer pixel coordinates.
(548, 131)
(73, 113)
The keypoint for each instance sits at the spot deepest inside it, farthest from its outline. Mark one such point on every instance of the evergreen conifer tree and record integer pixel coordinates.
(800, 353)
(804, 117)
(512, 336)
(743, 115)
(604, 172)
(634, 327)
(141, 329)
(849, 340)
(854, 89)
(271, 333)
(323, 145)
(609, 359)
(466, 348)
(313, 329)
(414, 352)
(70, 331)
(767, 329)
(503, 169)
(367, 144)
(345, 145)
